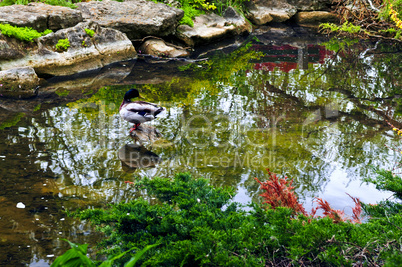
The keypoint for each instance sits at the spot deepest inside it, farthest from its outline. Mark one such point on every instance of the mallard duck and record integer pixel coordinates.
(137, 112)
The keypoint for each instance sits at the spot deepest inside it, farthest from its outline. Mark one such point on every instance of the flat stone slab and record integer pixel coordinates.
(314, 18)
(136, 18)
(40, 16)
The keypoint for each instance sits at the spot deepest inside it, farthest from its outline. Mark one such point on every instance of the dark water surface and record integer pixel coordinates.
(301, 105)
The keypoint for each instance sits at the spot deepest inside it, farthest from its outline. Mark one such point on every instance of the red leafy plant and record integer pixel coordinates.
(278, 192)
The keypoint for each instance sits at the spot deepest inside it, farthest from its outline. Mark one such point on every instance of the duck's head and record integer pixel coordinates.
(132, 93)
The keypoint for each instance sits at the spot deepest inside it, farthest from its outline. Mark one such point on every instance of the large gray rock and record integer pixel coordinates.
(265, 11)
(18, 83)
(40, 16)
(85, 52)
(136, 18)
(310, 5)
(211, 27)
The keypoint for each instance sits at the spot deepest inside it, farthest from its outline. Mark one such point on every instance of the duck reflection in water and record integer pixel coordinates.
(134, 156)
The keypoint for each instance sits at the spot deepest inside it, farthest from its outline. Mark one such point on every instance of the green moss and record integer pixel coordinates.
(63, 44)
(62, 92)
(12, 121)
(90, 32)
(22, 33)
(37, 107)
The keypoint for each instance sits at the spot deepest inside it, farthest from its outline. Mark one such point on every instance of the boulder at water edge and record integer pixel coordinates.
(264, 11)
(40, 16)
(84, 53)
(136, 18)
(211, 27)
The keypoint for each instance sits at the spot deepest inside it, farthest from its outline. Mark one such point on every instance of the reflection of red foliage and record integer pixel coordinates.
(285, 57)
(279, 193)
(270, 66)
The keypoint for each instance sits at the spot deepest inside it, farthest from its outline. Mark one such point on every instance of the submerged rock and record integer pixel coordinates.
(160, 48)
(211, 27)
(133, 156)
(84, 53)
(136, 18)
(145, 134)
(40, 16)
(18, 83)
(89, 80)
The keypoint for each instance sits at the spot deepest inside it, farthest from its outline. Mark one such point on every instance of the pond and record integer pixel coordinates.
(288, 100)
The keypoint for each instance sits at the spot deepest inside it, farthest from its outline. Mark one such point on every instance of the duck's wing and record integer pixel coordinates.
(143, 108)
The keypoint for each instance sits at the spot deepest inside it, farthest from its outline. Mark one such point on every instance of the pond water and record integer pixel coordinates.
(304, 106)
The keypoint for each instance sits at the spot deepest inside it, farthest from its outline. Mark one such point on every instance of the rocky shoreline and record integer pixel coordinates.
(121, 30)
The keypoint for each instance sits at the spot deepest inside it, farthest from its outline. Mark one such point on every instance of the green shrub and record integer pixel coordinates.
(22, 33)
(63, 44)
(197, 224)
(190, 12)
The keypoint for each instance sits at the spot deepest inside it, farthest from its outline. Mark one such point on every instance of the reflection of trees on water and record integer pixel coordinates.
(31, 234)
(359, 109)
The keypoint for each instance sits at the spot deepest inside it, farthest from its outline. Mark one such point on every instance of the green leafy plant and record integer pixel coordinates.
(63, 44)
(77, 256)
(66, 3)
(90, 32)
(392, 10)
(22, 33)
(193, 8)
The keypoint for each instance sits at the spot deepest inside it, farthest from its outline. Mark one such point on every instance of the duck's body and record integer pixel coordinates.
(137, 112)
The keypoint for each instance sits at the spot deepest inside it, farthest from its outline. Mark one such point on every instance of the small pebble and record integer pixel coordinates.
(20, 205)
